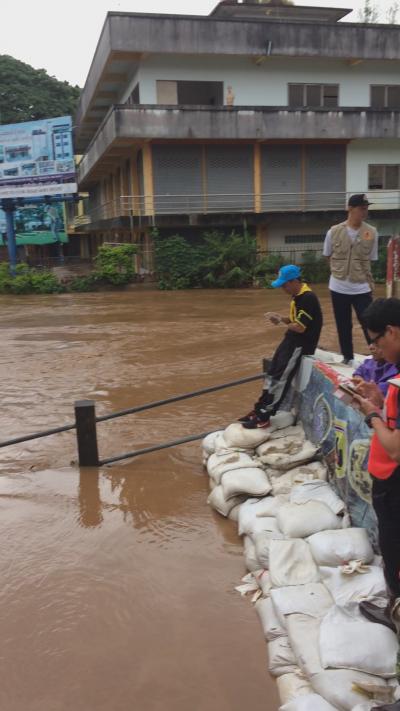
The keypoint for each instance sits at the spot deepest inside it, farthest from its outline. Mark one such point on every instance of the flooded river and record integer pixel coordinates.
(117, 586)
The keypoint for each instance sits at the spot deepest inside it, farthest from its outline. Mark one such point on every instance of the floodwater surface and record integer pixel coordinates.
(117, 585)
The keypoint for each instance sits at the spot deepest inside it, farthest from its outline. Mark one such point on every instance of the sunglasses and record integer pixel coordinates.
(374, 341)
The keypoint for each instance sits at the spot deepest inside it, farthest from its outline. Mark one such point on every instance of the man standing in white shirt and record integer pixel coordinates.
(351, 246)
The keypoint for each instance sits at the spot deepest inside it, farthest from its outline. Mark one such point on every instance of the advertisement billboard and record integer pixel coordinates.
(36, 224)
(37, 158)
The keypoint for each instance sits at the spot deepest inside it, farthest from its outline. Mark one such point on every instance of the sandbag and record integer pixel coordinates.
(281, 659)
(295, 431)
(265, 524)
(290, 445)
(267, 506)
(347, 640)
(291, 563)
(263, 580)
(309, 702)
(317, 491)
(282, 420)
(338, 547)
(208, 443)
(234, 513)
(354, 587)
(336, 686)
(271, 627)
(218, 502)
(302, 520)
(287, 460)
(236, 435)
(293, 685)
(218, 464)
(311, 599)
(303, 633)
(252, 564)
(211, 484)
(262, 541)
(282, 484)
(250, 481)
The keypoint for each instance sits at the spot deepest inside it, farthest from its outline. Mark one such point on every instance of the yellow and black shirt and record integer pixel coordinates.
(305, 310)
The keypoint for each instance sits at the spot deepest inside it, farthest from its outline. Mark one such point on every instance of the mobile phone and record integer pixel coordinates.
(348, 389)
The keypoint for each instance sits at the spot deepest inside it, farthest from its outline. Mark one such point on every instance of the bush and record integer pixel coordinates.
(315, 269)
(380, 266)
(84, 283)
(176, 262)
(114, 265)
(28, 281)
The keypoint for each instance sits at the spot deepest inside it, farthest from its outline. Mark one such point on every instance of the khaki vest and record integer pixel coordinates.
(352, 260)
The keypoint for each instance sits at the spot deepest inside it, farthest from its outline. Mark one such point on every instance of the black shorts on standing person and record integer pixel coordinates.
(351, 246)
(301, 338)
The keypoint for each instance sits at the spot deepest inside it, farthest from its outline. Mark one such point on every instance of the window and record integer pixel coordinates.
(313, 95)
(304, 239)
(383, 177)
(133, 97)
(385, 96)
(206, 93)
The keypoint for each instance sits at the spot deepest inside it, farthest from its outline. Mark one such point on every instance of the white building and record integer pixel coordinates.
(260, 114)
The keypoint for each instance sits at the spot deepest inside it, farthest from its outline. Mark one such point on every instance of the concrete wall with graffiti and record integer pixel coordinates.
(343, 436)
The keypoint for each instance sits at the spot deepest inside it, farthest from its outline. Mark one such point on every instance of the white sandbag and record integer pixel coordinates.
(208, 443)
(337, 686)
(267, 507)
(303, 633)
(281, 659)
(309, 702)
(310, 599)
(290, 445)
(317, 491)
(291, 563)
(355, 587)
(281, 420)
(252, 564)
(282, 484)
(286, 460)
(236, 435)
(234, 513)
(263, 579)
(293, 685)
(339, 547)
(211, 484)
(267, 525)
(250, 481)
(220, 446)
(302, 520)
(347, 640)
(218, 502)
(218, 464)
(271, 627)
(262, 542)
(295, 431)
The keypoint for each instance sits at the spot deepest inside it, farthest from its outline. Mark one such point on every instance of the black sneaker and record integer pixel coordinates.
(248, 418)
(256, 423)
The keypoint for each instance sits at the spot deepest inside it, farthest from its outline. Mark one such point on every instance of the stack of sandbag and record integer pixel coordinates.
(310, 567)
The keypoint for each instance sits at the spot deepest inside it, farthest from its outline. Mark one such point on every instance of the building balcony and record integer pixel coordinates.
(125, 126)
(127, 207)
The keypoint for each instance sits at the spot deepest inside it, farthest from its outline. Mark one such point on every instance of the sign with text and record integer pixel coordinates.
(37, 158)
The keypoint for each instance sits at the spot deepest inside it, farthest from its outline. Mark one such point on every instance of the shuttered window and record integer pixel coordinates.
(177, 178)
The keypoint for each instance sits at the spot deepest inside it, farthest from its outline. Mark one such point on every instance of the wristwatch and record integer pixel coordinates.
(369, 417)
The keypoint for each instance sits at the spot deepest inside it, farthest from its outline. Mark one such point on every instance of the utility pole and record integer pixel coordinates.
(9, 208)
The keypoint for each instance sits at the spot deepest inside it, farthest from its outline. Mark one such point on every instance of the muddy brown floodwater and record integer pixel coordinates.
(117, 587)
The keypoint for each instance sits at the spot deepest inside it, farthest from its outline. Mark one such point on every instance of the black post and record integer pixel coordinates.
(265, 364)
(85, 418)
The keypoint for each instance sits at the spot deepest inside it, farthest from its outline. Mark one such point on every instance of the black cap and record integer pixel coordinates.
(358, 201)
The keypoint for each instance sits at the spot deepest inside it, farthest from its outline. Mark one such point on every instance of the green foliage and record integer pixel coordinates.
(114, 265)
(84, 283)
(28, 281)
(27, 94)
(176, 262)
(379, 267)
(315, 269)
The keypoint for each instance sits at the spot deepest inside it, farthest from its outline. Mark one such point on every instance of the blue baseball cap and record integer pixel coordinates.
(287, 273)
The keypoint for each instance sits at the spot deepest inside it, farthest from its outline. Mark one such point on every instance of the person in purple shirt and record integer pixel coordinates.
(375, 370)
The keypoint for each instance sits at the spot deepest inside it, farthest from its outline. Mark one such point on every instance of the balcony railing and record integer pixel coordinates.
(152, 205)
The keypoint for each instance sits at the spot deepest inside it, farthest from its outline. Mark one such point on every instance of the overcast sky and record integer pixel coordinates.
(61, 37)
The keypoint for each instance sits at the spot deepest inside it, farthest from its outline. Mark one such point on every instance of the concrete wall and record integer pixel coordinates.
(266, 84)
(361, 153)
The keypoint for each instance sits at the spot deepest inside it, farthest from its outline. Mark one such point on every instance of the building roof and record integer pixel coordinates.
(264, 11)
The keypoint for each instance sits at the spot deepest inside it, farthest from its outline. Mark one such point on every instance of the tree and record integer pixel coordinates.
(392, 13)
(27, 94)
(369, 12)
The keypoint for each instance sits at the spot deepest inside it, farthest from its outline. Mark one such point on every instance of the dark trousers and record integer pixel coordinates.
(386, 502)
(282, 369)
(342, 305)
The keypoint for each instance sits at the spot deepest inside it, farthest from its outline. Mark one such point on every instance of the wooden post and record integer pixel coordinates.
(257, 178)
(85, 418)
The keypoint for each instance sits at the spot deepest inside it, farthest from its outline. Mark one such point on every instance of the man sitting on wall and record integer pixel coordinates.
(301, 338)
(375, 370)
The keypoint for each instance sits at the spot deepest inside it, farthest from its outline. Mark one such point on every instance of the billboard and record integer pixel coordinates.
(37, 224)
(37, 158)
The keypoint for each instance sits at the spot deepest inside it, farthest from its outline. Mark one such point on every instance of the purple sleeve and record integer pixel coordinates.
(362, 370)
